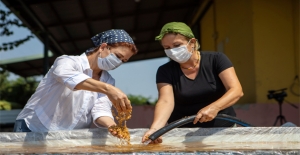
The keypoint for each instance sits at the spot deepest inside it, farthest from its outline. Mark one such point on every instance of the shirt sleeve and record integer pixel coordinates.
(103, 105)
(66, 70)
(101, 108)
(163, 74)
(222, 62)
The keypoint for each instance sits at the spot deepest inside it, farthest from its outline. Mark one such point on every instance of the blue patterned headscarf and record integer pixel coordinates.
(110, 37)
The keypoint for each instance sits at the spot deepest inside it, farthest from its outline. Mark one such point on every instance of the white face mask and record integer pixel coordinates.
(179, 54)
(110, 62)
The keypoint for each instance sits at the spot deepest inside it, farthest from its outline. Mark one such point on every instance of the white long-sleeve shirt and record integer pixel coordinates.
(56, 105)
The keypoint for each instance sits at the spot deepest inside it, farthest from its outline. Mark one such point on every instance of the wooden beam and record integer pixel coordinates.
(200, 11)
(64, 27)
(130, 32)
(85, 16)
(121, 15)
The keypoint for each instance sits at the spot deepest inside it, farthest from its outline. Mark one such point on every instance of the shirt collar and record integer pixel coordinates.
(84, 62)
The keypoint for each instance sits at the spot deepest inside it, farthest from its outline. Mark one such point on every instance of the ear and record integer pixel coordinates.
(193, 40)
(103, 46)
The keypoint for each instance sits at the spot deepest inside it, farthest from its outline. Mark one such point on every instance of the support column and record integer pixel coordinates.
(46, 56)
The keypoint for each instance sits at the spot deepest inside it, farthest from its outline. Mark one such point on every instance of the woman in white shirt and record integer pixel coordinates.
(77, 90)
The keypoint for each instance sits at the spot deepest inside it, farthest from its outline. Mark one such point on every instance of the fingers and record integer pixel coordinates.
(197, 118)
(122, 105)
(146, 136)
(203, 119)
(148, 133)
(156, 141)
(144, 139)
(128, 105)
(119, 99)
(117, 106)
(114, 133)
(159, 140)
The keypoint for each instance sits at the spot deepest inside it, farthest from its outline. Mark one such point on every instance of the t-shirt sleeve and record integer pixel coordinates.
(163, 75)
(222, 62)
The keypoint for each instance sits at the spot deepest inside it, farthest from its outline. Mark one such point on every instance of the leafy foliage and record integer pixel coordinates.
(5, 25)
(5, 105)
(16, 91)
(140, 100)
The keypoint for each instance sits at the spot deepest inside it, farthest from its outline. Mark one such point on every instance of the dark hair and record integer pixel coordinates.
(132, 47)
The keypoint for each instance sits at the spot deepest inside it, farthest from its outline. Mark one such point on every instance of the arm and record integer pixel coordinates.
(163, 109)
(105, 121)
(65, 71)
(115, 95)
(93, 85)
(102, 114)
(233, 94)
(164, 106)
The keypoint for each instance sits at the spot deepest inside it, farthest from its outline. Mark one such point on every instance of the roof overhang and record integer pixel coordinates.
(69, 24)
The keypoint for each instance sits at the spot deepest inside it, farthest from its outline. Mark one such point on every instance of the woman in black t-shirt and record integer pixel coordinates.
(193, 82)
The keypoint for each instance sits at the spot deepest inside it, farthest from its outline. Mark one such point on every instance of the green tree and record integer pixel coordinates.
(17, 92)
(140, 100)
(6, 22)
(13, 94)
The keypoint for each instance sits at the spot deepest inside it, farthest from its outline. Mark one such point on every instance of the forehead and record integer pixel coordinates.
(121, 49)
(171, 38)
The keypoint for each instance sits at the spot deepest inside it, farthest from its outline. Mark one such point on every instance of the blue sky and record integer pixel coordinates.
(136, 78)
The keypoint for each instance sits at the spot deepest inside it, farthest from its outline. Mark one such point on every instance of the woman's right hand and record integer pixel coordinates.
(118, 98)
(115, 95)
(148, 133)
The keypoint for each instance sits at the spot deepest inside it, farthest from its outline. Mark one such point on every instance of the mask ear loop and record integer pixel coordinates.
(108, 49)
(193, 48)
(197, 43)
(103, 50)
(188, 41)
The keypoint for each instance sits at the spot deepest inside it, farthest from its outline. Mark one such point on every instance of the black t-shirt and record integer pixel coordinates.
(192, 95)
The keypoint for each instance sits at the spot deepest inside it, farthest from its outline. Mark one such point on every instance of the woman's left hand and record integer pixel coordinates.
(206, 114)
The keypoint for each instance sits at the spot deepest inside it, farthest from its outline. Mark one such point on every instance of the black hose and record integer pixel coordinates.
(189, 119)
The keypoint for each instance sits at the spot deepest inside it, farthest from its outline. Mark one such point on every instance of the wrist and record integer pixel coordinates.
(215, 107)
(111, 125)
(106, 88)
(154, 129)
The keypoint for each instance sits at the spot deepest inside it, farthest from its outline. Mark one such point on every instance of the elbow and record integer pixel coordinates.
(237, 96)
(240, 94)
(237, 93)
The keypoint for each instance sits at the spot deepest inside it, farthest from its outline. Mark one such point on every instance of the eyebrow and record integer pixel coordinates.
(122, 56)
(174, 43)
